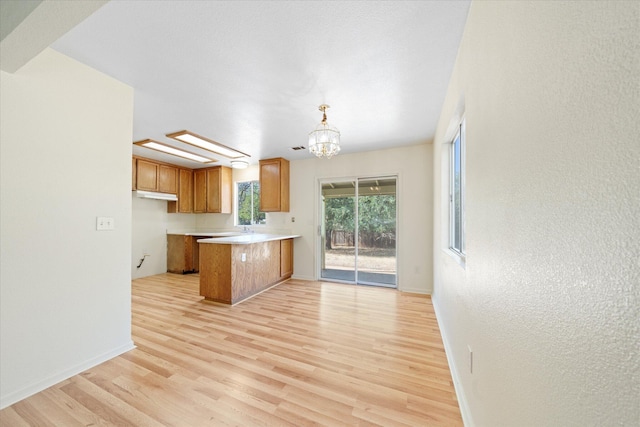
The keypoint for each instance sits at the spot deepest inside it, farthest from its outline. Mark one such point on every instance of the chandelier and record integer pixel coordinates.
(324, 140)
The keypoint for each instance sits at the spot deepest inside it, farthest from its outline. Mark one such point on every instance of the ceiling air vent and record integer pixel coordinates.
(301, 147)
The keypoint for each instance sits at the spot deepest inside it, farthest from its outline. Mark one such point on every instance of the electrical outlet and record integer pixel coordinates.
(244, 257)
(470, 359)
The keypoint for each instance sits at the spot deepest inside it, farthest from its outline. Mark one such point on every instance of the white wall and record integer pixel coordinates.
(65, 300)
(415, 184)
(150, 222)
(549, 298)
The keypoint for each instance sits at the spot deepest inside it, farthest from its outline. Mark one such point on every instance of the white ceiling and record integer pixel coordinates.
(251, 74)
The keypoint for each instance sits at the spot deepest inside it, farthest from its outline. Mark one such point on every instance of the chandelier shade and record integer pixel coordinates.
(324, 140)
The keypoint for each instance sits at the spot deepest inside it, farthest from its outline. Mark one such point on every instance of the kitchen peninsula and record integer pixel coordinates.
(182, 249)
(235, 268)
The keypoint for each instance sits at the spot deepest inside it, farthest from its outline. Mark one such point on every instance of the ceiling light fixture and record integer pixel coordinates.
(324, 140)
(239, 164)
(206, 144)
(158, 146)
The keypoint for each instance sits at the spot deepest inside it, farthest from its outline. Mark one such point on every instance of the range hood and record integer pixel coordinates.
(157, 196)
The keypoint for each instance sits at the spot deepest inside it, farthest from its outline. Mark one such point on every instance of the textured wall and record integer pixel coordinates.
(549, 298)
(65, 288)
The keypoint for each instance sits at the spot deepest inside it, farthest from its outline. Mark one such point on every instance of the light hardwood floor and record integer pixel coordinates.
(302, 353)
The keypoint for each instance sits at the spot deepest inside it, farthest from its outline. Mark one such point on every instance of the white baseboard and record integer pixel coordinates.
(309, 279)
(31, 389)
(421, 291)
(462, 401)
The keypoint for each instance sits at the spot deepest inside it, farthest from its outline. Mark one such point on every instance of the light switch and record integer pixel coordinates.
(104, 223)
(243, 257)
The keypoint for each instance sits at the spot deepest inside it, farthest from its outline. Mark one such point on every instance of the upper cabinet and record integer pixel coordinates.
(274, 185)
(219, 190)
(207, 190)
(200, 190)
(185, 193)
(213, 190)
(147, 175)
(153, 176)
(168, 179)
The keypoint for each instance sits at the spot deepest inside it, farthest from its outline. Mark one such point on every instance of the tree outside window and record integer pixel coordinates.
(248, 208)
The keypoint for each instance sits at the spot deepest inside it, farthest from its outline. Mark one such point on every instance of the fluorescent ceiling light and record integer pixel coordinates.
(239, 164)
(206, 144)
(158, 146)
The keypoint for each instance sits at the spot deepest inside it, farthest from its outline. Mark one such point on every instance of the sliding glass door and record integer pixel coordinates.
(358, 231)
(338, 253)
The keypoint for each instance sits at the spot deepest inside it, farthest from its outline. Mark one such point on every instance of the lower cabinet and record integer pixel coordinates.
(230, 273)
(182, 254)
(286, 258)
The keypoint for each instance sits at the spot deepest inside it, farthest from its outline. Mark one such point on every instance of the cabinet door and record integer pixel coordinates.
(213, 190)
(219, 190)
(179, 254)
(199, 191)
(147, 175)
(274, 185)
(286, 258)
(269, 186)
(185, 191)
(168, 179)
(226, 190)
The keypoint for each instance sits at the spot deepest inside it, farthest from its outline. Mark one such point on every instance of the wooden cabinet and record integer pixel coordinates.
(200, 191)
(274, 185)
(154, 176)
(286, 258)
(207, 190)
(167, 179)
(185, 193)
(230, 273)
(147, 175)
(219, 190)
(213, 190)
(183, 253)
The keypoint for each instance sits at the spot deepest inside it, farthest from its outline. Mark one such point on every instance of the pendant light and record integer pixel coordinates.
(324, 140)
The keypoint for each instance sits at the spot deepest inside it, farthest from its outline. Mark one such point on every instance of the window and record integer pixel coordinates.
(456, 193)
(248, 207)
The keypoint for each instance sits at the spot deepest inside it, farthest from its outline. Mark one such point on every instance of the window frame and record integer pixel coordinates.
(236, 219)
(457, 227)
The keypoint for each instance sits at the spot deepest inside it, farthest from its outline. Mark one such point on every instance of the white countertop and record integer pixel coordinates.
(248, 238)
(203, 234)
